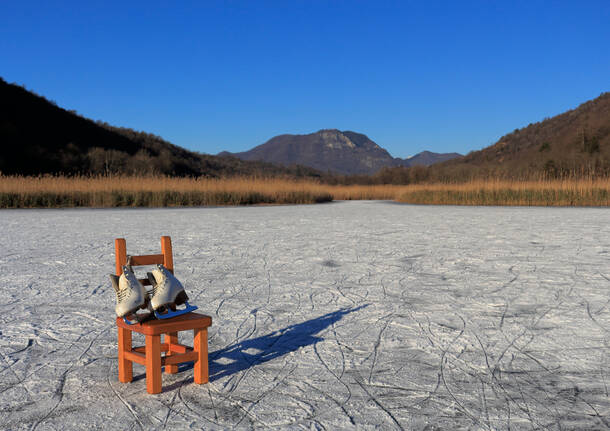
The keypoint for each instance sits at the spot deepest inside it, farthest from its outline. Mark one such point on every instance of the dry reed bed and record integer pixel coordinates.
(127, 191)
(570, 192)
(117, 191)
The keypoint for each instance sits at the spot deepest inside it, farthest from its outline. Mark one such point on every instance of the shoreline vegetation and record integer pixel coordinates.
(164, 191)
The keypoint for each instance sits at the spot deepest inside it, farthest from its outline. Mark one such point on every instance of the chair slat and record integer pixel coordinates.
(120, 254)
(134, 356)
(166, 249)
(148, 259)
(180, 348)
(177, 359)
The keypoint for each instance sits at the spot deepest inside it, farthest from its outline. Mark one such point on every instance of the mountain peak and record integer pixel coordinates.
(344, 152)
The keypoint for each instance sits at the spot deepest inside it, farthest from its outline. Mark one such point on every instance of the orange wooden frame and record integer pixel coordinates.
(165, 258)
(150, 355)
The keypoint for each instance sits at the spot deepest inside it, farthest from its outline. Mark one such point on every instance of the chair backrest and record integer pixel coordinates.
(165, 258)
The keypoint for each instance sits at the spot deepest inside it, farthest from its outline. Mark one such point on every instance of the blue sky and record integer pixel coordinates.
(228, 75)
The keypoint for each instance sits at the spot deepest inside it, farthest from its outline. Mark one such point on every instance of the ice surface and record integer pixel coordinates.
(370, 314)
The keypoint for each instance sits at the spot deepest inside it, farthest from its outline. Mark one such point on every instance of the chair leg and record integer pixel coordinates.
(171, 338)
(125, 365)
(153, 364)
(201, 364)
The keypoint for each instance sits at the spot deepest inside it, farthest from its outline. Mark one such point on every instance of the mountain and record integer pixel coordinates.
(427, 158)
(333, 150)
(575, 143)
(39, 137)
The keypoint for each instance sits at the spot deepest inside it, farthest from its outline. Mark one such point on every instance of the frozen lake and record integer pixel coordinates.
(371, 314)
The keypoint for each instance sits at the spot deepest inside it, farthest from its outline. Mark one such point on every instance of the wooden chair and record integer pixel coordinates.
(149, 355)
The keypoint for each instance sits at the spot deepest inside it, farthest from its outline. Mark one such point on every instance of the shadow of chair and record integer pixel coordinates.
(248, 353)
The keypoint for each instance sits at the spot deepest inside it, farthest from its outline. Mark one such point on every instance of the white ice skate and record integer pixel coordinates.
(130, 296)
(167, 293)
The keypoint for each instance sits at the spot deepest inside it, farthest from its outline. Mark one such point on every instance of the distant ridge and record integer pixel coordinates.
(343, 152)
(427, 158)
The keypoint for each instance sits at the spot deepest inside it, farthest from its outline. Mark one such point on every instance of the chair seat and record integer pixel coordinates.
(175, 324)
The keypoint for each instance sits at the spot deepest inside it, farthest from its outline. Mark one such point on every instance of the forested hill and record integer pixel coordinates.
(39, 137)
(575, 143)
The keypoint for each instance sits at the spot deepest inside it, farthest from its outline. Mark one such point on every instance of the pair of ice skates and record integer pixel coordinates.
(161, 301)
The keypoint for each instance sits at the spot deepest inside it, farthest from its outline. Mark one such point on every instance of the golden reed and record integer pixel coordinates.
(160, 191)
(566, 192)
(153, 191)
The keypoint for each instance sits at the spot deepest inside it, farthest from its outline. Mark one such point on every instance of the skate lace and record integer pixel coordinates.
(123, 294)
(155, 290)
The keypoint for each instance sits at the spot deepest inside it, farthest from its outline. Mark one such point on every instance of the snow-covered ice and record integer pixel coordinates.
(366, 314)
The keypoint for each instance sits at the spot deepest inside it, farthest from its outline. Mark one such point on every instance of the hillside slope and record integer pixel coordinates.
(575, 143)
(39, 137)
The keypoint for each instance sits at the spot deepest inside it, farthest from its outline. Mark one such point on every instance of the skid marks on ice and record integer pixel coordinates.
(478, 318)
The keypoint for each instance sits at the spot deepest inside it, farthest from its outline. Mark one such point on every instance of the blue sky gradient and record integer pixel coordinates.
(227, 75)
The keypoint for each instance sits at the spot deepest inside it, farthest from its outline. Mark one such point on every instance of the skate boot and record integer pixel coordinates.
(167, 292)
(130, 297)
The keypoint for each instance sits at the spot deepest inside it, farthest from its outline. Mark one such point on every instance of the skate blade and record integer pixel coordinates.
(175, 313)
(138, 318)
